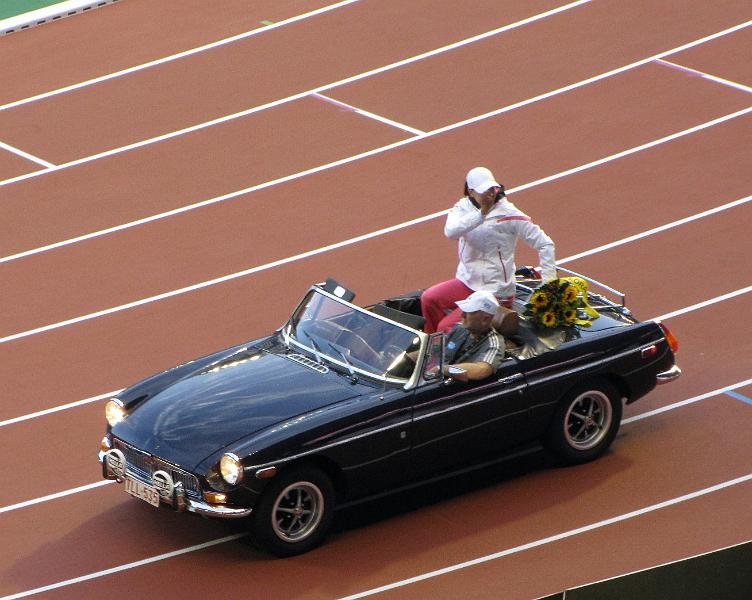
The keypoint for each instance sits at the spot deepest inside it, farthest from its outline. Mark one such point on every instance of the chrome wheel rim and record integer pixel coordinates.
(588, 420)
(297, 511)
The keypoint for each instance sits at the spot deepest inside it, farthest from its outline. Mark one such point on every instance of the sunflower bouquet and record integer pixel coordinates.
(560, 302)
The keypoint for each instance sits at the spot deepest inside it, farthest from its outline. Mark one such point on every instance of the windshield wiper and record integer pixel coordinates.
(316, 349)
(353, 376)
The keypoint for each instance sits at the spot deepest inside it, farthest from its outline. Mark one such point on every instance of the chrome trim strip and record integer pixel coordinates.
(668, 376)
(532, 381)
(471, 402)
(214, 510)
(622, 295)
(327, 446)
(470, 428)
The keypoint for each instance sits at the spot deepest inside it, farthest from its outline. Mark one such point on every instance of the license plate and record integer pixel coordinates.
(147, 493)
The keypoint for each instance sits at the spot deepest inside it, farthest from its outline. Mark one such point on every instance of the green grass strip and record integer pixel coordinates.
(11, 8)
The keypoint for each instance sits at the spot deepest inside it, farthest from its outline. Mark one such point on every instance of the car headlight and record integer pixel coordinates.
(114, 411)
(231, 469)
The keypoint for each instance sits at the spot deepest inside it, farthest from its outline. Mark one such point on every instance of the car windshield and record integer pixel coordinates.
(355, 338)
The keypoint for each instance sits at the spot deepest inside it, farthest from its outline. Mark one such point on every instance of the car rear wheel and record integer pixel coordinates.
(294, 513)
(585, 423)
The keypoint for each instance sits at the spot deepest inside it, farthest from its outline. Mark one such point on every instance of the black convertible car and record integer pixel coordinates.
(345, 402)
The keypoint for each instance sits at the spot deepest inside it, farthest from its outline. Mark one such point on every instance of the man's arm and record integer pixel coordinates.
(473, 371)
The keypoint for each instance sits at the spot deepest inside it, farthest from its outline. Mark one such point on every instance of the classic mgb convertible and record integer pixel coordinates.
(344, 402)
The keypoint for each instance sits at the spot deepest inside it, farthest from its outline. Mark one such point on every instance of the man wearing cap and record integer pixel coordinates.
(473, 345)
(487, 227)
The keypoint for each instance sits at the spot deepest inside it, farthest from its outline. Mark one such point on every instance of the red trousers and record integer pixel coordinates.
(438, 305)
(439, 308)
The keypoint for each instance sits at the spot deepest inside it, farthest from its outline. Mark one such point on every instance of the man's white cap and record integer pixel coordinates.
(480, 179)
(482, 300)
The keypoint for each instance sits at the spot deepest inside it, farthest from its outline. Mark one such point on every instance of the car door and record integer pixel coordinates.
(458, 423)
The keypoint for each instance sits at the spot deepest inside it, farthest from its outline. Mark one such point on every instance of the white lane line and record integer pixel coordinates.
(636, 149)
(675, 405)
(298, 96)
(324, 249)
(554, 538)
(733, 84)
(216, 281)
(118, 569)
(347, 160)
(456, 567)
(26, 155)
(705, 303)
(370, 115)
(83, 488)
(184, 54)
(343, 161)
(655, 230)
(48, 411)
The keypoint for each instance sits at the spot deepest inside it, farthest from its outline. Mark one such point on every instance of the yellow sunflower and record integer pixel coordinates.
(570, 294)
(539, 299)
(548, 319)
(570, 315)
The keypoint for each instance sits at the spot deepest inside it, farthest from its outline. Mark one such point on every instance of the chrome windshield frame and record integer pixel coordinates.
(407, 384)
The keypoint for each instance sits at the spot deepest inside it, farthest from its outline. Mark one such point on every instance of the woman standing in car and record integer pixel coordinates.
(487, 226)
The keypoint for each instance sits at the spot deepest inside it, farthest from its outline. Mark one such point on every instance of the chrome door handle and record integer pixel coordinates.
(511, 378)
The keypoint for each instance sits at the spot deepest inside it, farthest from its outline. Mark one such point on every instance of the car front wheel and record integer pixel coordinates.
(294, 513)
(585, 423)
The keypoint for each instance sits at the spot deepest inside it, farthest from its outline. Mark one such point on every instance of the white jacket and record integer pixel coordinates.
(486, 245)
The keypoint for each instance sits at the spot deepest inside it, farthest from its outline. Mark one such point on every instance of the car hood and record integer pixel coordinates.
(229, 400)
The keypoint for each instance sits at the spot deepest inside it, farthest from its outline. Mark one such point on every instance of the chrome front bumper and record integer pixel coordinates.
(668, 376)
(178, 498)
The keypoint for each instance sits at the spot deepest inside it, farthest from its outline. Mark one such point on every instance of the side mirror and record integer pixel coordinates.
(434, 362)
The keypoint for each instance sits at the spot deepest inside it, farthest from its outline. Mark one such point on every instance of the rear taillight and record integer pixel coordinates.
(672, 342)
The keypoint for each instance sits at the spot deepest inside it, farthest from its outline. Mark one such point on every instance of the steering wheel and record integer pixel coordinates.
(357, 346)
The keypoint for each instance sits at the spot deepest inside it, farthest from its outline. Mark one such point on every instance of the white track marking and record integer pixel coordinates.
(26, 155)
(675, 405)
(655, 230)
(41, 413)
(310, 253)
(268, 105)
(636, 149)
(705, 303)
(370, 115)
(456, 567)
(343, 161)
(118, 569)
(554, 538)
(217, 280)
(733, 84)
(184, 54)
(57, 495)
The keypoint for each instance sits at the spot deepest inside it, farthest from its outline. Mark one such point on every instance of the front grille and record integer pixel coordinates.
(141, 465)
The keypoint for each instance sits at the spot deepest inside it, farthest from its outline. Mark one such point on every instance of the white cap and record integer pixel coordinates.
(482, 300)
(480, 179)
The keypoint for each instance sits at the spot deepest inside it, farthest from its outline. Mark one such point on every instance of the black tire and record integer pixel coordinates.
(294, 513)
(585, 423)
